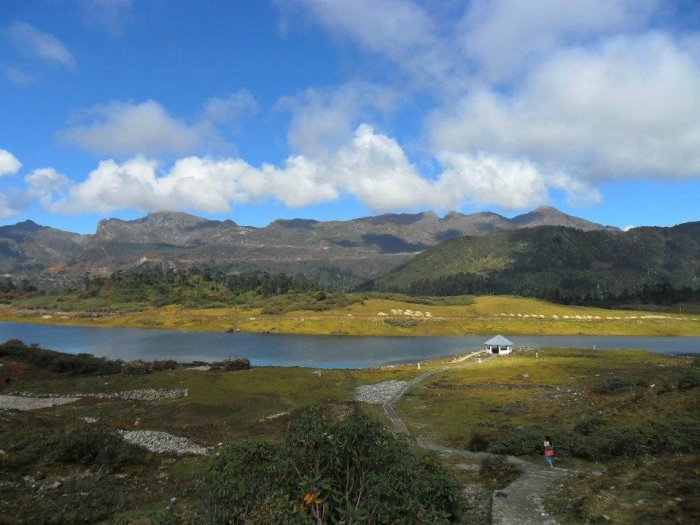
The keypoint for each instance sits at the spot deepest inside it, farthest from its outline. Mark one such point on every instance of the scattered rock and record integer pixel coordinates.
(162, 442)
(379, 393)
(148, 394)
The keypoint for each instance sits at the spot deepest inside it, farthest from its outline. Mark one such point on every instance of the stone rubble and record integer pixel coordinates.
(379, 393)
(148, 394)
(162, 442)
(33, 403)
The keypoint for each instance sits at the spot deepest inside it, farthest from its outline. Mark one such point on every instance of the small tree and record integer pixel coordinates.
(330, 471)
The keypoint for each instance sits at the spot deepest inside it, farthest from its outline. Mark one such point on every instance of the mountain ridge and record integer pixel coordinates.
(558, 263)
(337, 253)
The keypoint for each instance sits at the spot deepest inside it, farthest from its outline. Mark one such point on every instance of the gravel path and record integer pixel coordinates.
(521, 503)
(33, 403)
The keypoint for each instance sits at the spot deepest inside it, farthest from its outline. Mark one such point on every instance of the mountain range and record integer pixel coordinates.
(338, 254)
(642, 265)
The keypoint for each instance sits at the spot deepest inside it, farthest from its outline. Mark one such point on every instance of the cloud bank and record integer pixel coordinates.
(524, 99)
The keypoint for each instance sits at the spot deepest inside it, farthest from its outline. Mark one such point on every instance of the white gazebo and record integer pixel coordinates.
(499, 345)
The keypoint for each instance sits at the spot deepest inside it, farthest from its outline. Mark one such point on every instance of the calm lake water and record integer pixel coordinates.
(301, 350)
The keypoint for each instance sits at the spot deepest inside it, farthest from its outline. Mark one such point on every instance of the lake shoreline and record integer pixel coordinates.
(354, 325)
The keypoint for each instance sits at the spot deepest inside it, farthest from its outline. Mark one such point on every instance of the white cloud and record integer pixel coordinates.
(41, 45)
(7, 206)
(486, 180)
(8, 163)
(504, 36)
(124, 129)
(127, 128)
(371, 167)
(375, 169)
(323, 120)
(16, 75)
(109, 15)
(230, 108)
(627, 108)
(45, 184)
(400, 30)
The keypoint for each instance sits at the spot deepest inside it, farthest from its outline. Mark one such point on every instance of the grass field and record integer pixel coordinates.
(600, 408)
(376, 315)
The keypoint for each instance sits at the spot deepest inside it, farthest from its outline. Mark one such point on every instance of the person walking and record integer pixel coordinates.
(548, 452)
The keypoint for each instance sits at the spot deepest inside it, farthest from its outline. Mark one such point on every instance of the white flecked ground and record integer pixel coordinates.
(147, 394)
(379, 393)
(33, 403)
(161, 442)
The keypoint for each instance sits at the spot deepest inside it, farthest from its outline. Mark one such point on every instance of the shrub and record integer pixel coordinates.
(401, 323)
(479, 442)
(45, 443)
(615, 385)
(609, 442)
(676, 436)
(58, 362)
(329, 471)
(520, 442)
(95, 446)
(689, 378)
(499, 472)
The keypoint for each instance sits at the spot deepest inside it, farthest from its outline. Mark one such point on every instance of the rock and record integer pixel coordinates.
(379, 393)
(163, 442)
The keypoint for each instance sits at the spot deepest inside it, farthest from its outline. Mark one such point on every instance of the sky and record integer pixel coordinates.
(256, 110)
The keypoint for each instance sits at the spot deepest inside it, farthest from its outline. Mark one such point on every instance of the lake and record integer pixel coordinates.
(301, 350)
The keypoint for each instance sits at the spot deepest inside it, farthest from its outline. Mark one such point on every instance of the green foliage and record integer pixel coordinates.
(565, 265)
(90, 446)
(58, 362)
(401, 323)
(689, 378)
(96, 446)
(478, 442)
(312, 301)
(646, 491)
(597, 439)
(616, 385)
(498, 472)
(153, 285)
(331, 468)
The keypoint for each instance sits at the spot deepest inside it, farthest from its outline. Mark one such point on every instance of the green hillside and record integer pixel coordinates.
(642, 265)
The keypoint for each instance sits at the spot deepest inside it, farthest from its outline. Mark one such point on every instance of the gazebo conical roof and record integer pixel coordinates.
(499, 340)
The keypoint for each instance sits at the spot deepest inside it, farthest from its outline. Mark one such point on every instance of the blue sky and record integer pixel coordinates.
(331, 109)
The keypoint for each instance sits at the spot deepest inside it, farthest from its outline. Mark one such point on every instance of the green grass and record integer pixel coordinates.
(644, 491)
(561, 392)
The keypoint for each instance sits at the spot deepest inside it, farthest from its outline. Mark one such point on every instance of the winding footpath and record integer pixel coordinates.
(521, 503)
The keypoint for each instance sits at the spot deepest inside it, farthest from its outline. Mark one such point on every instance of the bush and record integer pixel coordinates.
(327, 470)
(478, 442)
(401, 323)
(499, 472)
(95, 446)
(58, 362)
(520, 442)
(609, 442)
(689, 378)
(45, 443)
(615, 385)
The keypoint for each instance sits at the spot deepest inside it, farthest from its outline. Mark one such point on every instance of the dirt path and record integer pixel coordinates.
(521, 503)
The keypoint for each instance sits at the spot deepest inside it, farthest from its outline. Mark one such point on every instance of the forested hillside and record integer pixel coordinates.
(643, 265)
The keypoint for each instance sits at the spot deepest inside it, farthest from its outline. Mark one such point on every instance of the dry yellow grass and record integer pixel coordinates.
(488, 314)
